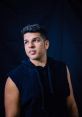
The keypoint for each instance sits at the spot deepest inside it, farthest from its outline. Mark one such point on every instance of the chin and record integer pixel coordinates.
(33, 58)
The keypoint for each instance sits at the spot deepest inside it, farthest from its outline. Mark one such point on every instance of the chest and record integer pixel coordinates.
(37, 84)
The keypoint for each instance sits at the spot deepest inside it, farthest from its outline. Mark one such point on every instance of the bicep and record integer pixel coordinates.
(11, 99)
(71, 96)
(71, 103)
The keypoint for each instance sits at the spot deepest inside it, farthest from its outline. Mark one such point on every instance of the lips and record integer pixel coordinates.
(32, 52)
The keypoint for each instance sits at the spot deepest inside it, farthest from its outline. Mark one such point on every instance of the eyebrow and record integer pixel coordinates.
(33, 38)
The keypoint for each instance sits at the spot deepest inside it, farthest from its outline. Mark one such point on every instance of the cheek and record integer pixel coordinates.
(26, 49)
(41, 49)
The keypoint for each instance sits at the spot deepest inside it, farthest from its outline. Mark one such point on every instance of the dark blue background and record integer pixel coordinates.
(63, 21)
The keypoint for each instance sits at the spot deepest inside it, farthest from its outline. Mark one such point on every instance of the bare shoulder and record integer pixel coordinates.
(70, 85)
(11, 90)
(71, 103)
(11, 86)
(11, 98)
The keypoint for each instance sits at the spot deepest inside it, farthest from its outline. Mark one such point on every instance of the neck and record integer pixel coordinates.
(40, 62)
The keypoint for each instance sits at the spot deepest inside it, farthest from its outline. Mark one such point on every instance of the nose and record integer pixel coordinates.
(30, 45)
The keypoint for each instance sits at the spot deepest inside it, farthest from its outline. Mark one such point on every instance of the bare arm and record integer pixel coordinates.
(71, 100)
(11, 99)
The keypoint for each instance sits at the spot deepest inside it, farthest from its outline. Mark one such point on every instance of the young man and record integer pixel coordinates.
(40, 86)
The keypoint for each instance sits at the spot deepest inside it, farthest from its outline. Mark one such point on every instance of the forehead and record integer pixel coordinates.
(31, 35)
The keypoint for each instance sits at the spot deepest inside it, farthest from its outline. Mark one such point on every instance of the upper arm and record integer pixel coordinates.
(70, 99)
(11, 99)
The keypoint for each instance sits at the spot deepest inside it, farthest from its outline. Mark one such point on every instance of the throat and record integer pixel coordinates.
(41, 63)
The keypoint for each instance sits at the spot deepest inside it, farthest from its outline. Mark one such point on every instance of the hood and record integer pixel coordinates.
(27, 62)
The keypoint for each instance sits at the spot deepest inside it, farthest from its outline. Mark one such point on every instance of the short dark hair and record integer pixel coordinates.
(35, 28)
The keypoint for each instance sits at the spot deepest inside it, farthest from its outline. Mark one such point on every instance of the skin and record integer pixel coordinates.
(36, 49)
(72, 106)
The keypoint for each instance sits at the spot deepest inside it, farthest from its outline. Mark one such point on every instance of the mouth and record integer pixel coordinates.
(32, 52)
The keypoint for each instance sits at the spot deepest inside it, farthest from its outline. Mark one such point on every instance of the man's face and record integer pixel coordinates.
(35, 45)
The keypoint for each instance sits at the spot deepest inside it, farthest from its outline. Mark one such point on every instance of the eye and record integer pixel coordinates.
(25, 41)
(37, 39)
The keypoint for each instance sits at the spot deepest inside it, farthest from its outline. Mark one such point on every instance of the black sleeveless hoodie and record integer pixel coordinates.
(32, 93)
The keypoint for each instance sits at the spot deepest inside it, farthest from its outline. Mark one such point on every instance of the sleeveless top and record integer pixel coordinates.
(43, 91)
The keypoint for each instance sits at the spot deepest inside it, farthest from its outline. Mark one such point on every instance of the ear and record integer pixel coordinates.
(46, 44)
